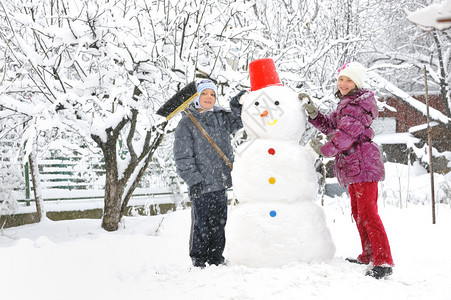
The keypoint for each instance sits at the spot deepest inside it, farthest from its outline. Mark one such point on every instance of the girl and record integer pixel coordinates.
(205, 172)
(358, 161)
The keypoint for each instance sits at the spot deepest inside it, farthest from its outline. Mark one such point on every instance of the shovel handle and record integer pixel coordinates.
(207, 136)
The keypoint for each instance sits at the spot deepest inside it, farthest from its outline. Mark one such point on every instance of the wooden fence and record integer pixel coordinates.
(78, 178)
(73, 187)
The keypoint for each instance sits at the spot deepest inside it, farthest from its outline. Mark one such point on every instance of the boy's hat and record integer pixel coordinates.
(355, 71)
(262, 73)
(203, 85)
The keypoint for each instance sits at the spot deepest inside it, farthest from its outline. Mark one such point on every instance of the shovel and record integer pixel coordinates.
(180, 102)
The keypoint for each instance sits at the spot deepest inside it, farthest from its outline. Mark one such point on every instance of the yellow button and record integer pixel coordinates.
(272, 180)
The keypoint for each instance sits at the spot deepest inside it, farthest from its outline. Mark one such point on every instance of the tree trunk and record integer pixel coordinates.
(114, 188)
(113, 198)
(444, 86)
(32, 160)
(115, 183)
(159, 132)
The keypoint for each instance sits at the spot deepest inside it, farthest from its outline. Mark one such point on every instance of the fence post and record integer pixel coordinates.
(27, 185)
(431, 169)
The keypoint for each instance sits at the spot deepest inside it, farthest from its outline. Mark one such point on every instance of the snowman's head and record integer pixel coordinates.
(273, 112)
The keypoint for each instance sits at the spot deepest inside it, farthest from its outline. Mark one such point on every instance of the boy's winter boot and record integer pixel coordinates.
(379, 272)
(198, 263)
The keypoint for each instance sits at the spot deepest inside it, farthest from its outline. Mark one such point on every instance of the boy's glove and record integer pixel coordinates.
(195, 191)
(242, 96)
(308, 105)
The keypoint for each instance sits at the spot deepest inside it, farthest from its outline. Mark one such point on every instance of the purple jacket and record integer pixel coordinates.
(357, 158)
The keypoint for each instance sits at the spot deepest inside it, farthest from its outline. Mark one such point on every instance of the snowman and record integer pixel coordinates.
(276, 221)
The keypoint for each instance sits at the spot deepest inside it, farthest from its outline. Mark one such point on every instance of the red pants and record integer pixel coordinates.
(374, 240)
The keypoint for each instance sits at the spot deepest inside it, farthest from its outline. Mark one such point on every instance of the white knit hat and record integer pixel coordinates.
(203, 85)
(355, 71)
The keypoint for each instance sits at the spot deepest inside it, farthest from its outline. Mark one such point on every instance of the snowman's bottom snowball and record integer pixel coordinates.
(274, 234)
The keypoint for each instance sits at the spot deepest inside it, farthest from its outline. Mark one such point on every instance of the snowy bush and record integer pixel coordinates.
(11, 180)
(406, 184)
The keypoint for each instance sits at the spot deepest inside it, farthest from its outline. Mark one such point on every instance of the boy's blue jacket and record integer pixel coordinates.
(196, 159)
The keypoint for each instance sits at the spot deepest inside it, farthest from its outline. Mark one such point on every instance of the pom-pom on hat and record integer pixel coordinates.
(262, 73)
(203, 85)
(355, 71)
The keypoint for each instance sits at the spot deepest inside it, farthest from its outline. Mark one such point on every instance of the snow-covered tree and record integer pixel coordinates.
(85, 68)
(98, 70)
(89, 75)
(399, 50)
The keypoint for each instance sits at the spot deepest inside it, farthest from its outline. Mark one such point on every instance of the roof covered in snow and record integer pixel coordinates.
(434, 16)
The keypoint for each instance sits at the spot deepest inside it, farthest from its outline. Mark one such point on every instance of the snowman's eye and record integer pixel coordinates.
(257, 104)
(276, 103)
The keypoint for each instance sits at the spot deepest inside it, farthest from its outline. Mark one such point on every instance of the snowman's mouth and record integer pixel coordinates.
(275, 121)
(266, 114)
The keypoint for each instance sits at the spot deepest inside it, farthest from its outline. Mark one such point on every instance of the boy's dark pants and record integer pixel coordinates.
(208, 220)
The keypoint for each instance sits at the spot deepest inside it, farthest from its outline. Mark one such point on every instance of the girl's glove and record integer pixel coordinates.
(308, 105)
(316, 146)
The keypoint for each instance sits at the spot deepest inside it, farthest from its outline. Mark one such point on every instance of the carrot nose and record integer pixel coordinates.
(264, 114)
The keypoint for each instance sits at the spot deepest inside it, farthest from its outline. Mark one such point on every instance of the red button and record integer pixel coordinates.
(271, 151)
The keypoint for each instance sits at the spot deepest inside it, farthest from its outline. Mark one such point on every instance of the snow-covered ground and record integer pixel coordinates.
(148, 258)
